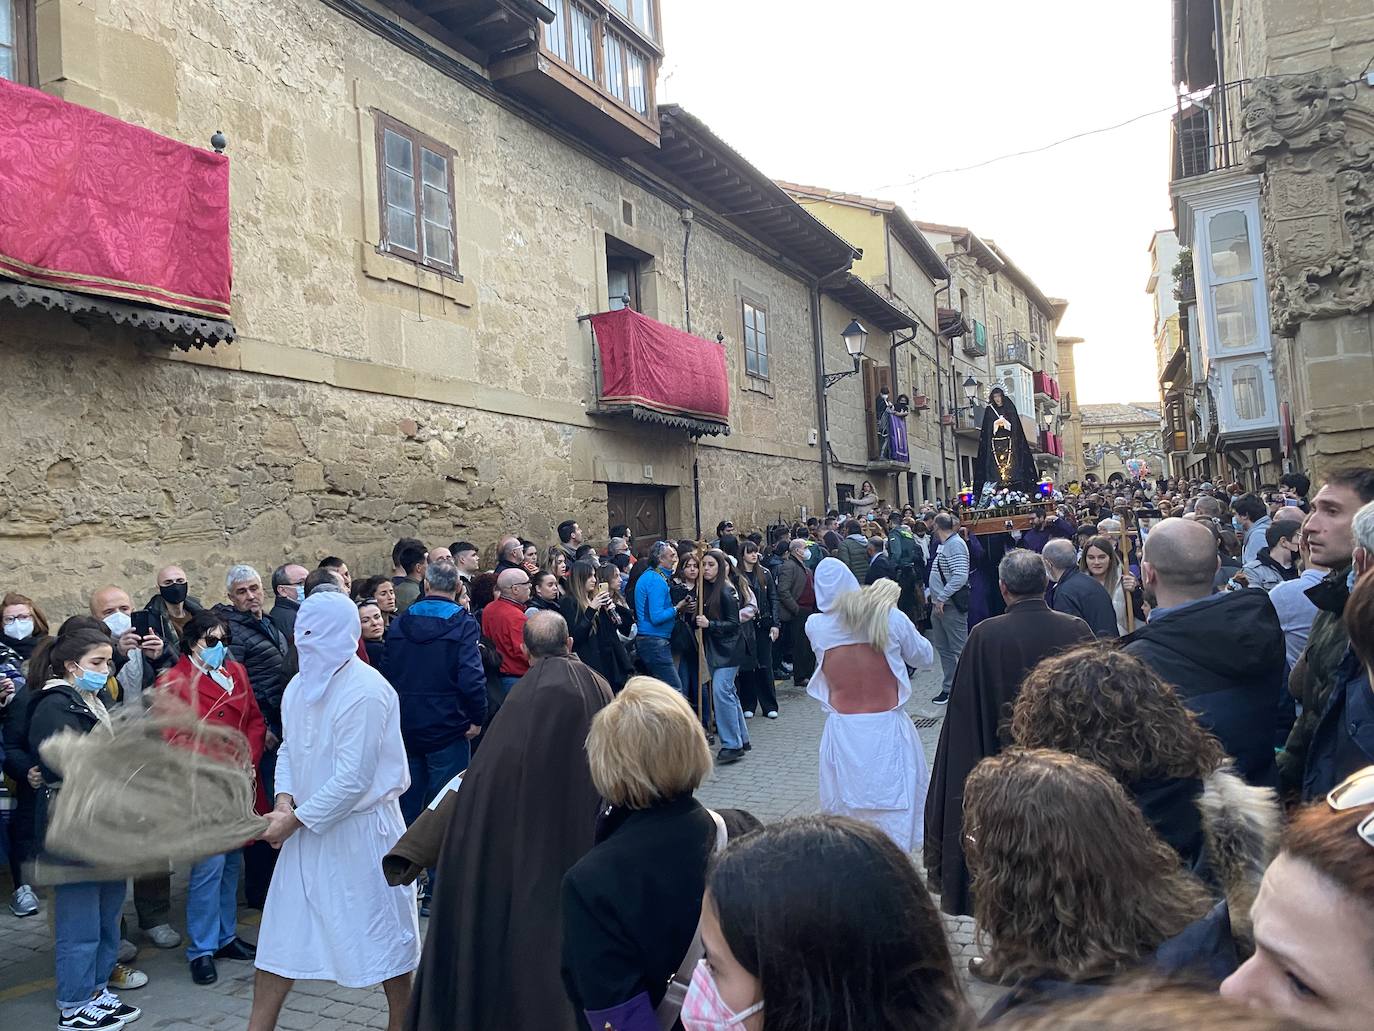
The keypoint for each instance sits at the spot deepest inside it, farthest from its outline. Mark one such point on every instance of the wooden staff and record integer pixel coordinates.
(1123, 550)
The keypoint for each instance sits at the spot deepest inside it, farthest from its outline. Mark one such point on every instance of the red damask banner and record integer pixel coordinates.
(91, 204)
(655, 367)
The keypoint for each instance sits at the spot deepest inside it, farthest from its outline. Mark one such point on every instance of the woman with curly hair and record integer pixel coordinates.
(1072, 887)
(1103, 705)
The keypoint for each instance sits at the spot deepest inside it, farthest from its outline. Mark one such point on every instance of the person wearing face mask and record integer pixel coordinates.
(136, 664)
(73, 669)
(288, 587)
(792, 947)
(172, 608)
(217, 688)
(24, 624)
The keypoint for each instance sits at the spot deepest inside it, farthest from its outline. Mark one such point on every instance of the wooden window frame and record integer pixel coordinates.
(418, 141)
(745, 304)
(631, 264)
(25, 41)
(632, 38)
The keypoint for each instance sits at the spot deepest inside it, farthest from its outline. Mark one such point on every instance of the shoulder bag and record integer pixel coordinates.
(678, 984)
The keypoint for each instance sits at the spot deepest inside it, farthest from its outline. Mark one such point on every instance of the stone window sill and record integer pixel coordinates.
(755, 385)
(386, 267)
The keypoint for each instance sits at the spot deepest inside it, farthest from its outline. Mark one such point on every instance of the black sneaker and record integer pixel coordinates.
(115, 1006)
(747, 747)
(726, 756)
(90, 1017)
(941, 699)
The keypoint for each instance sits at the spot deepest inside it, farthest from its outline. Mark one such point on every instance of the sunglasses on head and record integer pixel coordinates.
(1355, 791)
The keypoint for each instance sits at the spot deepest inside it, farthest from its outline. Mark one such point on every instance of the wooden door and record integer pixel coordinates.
(642, 509)
(876, 376)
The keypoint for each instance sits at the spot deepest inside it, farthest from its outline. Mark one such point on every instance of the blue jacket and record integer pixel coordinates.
(433, 662)
(1344, 739)
(654, 612)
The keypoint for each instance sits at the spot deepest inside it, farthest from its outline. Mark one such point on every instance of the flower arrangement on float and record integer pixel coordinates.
(995, 502)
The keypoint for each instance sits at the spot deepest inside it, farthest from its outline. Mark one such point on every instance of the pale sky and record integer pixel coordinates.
(868, 95)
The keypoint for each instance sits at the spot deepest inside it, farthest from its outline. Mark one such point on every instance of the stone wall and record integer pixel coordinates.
(363, 398)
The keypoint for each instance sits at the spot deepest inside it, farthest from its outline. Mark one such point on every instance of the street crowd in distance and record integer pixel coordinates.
(1153, 789)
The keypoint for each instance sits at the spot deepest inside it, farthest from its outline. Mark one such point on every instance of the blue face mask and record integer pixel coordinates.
(300, 593)
(1350, 579)
(212, 657)
(1235, 524)
(91, 680)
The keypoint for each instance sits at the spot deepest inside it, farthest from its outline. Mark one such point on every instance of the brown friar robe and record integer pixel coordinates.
(999, 653)
(525, 813)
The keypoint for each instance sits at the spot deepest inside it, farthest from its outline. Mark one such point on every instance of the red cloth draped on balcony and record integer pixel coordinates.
(661, 374)
(94, 205)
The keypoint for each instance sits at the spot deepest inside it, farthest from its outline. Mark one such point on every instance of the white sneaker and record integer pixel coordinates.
(127, 951)
(749, 714)
(164, 936)
(24, 902)
(126, 979)
(772, 714)
(90, 1017)
(116, 1007)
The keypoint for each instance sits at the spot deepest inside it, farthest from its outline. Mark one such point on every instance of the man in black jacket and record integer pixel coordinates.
(1075, 593)
(1223, 653)
(267, 655)
(288, 591)
(880, 567)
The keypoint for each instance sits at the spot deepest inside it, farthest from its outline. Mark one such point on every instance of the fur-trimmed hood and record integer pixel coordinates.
(1240, 825)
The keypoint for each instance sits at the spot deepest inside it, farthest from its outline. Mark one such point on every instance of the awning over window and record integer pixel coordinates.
(657, 373)
(95, 206)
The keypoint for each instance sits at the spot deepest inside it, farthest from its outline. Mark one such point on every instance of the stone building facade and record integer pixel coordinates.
(1071, 414)
(1272, 182)
(368, 396)
(1115, 435)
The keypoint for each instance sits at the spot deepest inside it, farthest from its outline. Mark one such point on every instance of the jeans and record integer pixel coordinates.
(86, 928)
(729, 716)
(212, 904)
(428, 775)
(949, 633)
(657, 656)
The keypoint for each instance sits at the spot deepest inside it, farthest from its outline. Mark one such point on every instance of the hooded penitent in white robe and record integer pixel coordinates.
(330, 915)
(872, 765)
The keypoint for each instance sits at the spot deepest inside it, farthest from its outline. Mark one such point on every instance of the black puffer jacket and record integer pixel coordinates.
(1225, 656)
(266, 654)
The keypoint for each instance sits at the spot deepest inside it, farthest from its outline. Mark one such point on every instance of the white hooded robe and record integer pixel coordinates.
(873, 767)
(330, 915)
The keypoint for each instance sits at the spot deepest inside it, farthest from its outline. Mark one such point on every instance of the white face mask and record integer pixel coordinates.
(20, 629)
(119, 623)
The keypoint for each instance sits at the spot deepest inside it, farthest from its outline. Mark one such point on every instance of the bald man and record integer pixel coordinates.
(1223, 653)
(172, 608)
(503, 623)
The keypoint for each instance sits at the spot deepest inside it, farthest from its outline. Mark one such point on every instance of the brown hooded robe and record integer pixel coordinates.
(526, 812)
(999, 653)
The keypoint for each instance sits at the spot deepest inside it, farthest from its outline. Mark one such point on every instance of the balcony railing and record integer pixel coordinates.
(1013, 347)
(976, 343)
(1208, 130)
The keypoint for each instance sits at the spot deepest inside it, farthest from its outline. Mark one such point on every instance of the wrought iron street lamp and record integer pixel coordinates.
(855, 338)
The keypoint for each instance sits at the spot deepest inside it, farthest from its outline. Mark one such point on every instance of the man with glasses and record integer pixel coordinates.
(503, 623)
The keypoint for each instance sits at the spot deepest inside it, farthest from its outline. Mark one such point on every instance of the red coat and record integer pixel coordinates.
(237, 709)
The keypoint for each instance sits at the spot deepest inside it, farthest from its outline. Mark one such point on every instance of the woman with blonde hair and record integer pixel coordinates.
(1072, 887)
(631, 904)
(872, 766)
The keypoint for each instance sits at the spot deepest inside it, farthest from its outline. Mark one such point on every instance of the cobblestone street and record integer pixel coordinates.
(777, 780)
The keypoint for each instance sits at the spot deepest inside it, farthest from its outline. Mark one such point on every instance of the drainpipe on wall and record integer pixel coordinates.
(940, 385)
(819, 347)
(686, 218)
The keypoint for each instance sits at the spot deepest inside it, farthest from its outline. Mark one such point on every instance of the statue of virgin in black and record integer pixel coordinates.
(1004, 457)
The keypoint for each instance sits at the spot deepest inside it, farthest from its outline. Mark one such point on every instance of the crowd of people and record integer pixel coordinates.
(1157, 759)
